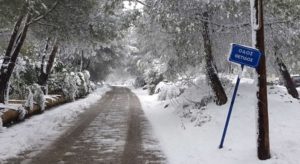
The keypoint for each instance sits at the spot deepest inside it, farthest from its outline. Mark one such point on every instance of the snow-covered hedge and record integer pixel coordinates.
(27, 71)
(72, 85)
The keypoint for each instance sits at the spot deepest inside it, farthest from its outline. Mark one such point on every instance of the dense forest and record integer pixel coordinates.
(155, 39)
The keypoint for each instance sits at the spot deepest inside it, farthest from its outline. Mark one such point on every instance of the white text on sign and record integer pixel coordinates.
(249, 59)
(250, 53)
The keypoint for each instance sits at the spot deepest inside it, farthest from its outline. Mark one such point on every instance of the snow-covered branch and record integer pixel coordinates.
(222, 27)
(43, 15)
(47, 24)
(4, 30)
(142, 3)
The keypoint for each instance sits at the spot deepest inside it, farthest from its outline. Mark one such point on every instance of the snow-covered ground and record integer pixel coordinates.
(185, 143)
(40, 130)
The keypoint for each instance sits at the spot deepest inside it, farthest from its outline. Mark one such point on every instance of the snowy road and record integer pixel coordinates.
(113, 131)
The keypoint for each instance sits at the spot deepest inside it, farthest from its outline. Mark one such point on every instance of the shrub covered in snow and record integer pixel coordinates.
(29, 101)
(35, 96)
(70, 87)
(23, 76)
(82, 85)
(92, 86)
(139, 82)
(167, 91)
(56, 83)
(152, 79)
(73, 84)
(193, 101)
(26, 74)
(190, 97)
(38, 96)
(87, 76)
(22, 113)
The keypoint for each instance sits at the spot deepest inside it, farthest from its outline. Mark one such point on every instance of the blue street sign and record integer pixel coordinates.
(245, 55)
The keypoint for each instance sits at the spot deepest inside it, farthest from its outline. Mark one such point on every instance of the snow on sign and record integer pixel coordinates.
(244, 55)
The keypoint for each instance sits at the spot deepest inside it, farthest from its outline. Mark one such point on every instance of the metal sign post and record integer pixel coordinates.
(230, 109)
(242, 55)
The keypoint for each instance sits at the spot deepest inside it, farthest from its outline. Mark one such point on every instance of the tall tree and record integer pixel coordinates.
(284, 73)
(28, 16)
(15, 44)
(211, 73)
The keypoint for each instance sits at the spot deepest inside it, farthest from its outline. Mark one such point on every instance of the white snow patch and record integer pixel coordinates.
(167, 91)
(182, 142)
(52, 97)
(9, 106)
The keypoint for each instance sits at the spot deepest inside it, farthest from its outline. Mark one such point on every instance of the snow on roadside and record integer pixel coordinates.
(40, 130)
(182, 142)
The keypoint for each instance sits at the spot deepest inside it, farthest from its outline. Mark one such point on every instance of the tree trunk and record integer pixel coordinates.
(211, 73)
(81, 61)
(286, 77)
(45, 74)
(12, 52)
(44, 54)
(87, 65)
